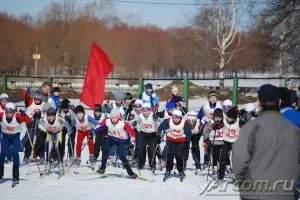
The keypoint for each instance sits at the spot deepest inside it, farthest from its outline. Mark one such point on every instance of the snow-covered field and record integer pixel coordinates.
(73, 186)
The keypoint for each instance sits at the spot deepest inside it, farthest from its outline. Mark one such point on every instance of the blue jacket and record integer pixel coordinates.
(151, 98)
(291, 114)
(201, 113)
(56, 100)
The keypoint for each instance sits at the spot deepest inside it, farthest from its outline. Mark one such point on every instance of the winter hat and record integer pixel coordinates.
(65, 103)
(170, 105)
(4, 96)
(177, 113)
(38, 96)
(268, 93)
(174, 89)
(192, 115)
(51, 111)
(128, 96)
(56, 89)
(212, 93)
(250, 107)
(218, 112)
(98, 107)
(232, 113)
(115, 113)
(138, 102)
(79, 109)
(10, 107)
(227, 103)
(148, 86)
(146, 106)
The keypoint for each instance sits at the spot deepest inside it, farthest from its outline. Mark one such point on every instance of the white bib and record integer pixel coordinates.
(209, 110)
(117, 130)
(10, 128)
(33, 108)
(176, 131)
(216, 134)
(83, 126)
(147, 125)
(231, 132)
(56, 127)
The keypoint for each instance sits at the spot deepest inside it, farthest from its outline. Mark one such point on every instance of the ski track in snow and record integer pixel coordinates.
(73, 186)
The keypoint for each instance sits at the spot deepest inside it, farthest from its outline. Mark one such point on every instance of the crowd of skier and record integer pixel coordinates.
(126, 129)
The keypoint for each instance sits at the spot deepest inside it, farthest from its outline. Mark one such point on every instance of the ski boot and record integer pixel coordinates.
(92, 161)
(15, 176)
(61, 168)
(77, 165)
(8, 159)
(101, 170)
(220, 176)
(181, 176)
(26, 160)
(42, 161)
(197, 171)
(214, 174)
(47, 168)
(167, 175)
(133, 176)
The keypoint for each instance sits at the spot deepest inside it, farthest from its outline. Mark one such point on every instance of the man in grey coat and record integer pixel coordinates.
(267, 153)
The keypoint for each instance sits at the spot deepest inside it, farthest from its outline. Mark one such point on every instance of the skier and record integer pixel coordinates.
(179, 132)
(118, 134)
(167, 113)
(3, 101)
(34, 111)
(227, 104)
(213, 133)
(118, 103)
(69, 116)
(128, 105)
(102, 134)
(10, 130)
(230, 134)
(84, 125)
(195, 138)
(175, 97)
(53, 124)
(205, 115)
(147, 130)
(149, 96)
(133, 119)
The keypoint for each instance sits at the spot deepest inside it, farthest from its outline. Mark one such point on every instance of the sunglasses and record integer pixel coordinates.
(146, 109)
(137, 105)
(4, 100)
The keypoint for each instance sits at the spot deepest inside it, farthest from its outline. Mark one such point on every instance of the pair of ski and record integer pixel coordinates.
(118, 176)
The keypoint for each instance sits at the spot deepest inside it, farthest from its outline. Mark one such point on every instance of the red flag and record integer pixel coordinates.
(98, 69)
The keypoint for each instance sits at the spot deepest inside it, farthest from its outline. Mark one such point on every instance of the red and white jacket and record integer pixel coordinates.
(119, 130)
(15, 125)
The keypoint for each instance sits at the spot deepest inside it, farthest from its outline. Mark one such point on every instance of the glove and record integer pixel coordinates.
(205, 143)
(90, 135)
(155, 117)
(158, 139)
(22, 112)
(68, 119)
(37, 115)
(134, 123)
(106, 108)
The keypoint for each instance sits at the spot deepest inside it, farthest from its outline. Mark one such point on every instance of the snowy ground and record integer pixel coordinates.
(74, 186)
(79, 186)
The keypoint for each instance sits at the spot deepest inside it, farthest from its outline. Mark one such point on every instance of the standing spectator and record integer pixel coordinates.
(289, 86)
(175, 97)
(264, 144)
(55, 97)
(149, 96)
(3, 101)
(286, 108)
